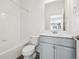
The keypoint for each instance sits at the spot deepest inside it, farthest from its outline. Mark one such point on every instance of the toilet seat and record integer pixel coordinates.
(28, 50)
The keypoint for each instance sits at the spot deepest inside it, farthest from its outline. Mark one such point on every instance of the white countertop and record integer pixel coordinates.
(59, 34)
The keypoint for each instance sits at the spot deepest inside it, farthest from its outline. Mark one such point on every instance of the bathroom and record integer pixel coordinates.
(23, 21)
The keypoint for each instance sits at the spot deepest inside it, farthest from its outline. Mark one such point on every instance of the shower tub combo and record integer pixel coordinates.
(11, 49)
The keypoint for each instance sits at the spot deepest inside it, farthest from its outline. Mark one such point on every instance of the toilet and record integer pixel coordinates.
(28, 51)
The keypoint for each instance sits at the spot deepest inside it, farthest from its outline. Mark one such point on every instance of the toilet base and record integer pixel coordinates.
(29, 57)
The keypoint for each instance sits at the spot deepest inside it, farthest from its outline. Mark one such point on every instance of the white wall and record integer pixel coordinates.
(72, 16)
(9, 20)
(32, 18)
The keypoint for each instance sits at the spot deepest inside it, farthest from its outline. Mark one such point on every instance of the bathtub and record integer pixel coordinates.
(11, 49)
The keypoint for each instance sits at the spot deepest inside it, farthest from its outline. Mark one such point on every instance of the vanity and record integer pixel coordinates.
(57, 46)
(60, 45)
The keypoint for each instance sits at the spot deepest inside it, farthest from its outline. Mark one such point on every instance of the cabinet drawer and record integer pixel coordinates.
(47, 39)
(69, 42)
(65, 42)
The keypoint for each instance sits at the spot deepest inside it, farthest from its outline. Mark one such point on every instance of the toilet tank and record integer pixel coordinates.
(34, 40)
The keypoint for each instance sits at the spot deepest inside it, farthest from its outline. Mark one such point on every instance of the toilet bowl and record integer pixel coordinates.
(29, 50)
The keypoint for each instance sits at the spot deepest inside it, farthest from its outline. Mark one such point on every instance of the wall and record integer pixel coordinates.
(32, 18)
(21, 18)
(72, 16)
(9, 20)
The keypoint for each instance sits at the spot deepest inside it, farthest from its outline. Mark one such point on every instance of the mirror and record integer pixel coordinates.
(54, 9)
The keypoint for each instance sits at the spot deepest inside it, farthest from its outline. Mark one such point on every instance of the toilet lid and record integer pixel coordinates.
(28, 48)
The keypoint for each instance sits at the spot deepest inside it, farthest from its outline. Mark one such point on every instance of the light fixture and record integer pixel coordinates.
(49, 1)
(3, 14)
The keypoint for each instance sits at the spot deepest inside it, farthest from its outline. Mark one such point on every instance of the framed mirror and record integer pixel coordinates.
(54, 12)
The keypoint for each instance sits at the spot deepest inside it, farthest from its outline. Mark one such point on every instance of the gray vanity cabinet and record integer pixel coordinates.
(46, 51)
(56, 48)
(64, 52)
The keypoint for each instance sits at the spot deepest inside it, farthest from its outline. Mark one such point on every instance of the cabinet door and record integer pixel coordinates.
(46, 51)
(64, 53)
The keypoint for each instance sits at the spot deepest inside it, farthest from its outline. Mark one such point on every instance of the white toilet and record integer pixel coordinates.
(29, 50)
